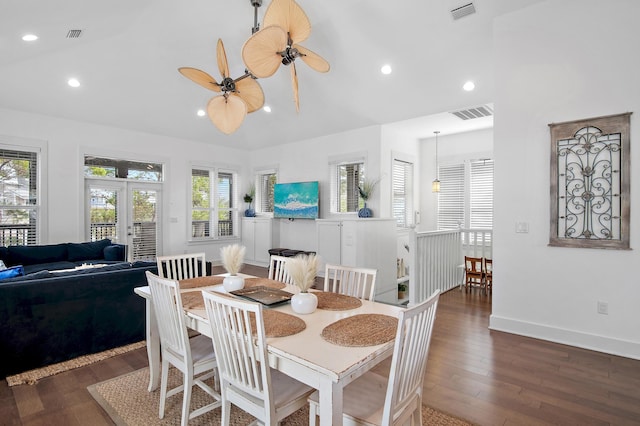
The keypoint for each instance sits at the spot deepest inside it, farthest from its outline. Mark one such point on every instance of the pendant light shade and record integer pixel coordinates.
(435, 185)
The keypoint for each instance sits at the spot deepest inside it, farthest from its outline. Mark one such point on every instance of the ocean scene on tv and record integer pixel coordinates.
(298, 200)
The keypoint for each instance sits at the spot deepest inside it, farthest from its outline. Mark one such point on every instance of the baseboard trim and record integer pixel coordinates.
(578, 339)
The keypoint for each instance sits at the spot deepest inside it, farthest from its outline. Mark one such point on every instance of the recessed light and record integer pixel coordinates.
(29, 37)
(73, 82)
(386, 69)
(266, 108)
(201, 113)
(469, 86)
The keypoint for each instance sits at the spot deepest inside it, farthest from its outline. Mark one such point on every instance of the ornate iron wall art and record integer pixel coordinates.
(590, 183)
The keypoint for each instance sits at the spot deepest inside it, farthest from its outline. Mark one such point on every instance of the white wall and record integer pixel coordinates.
(454, 148)
(67, 141)
(561, 61)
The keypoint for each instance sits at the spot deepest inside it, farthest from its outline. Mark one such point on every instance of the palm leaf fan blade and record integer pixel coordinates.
(289, 16)
(250, 91)
(221, 55)
(227, 112)
(260, 51)
(294, 83)
(312, 59)
(200, 77)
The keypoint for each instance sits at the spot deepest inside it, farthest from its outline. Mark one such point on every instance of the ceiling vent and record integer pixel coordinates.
(462, 11)
(471, 113)
(74, 33)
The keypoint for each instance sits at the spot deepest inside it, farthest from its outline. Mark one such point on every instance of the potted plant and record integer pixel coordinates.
(303, 270)
(232, 259)
(402, 291)
(248, 198)
(366, 190)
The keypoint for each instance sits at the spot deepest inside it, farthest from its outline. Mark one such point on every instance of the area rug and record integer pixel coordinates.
(32, 376)
(128, 403)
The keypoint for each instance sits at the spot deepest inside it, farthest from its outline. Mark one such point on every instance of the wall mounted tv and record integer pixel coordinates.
(296, 200)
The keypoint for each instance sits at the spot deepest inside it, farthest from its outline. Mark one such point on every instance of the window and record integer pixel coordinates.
(213, 203)
(265, 180)
(345, 179)
(124, 169)
(19, 197)
(402, 185)
(466, 195)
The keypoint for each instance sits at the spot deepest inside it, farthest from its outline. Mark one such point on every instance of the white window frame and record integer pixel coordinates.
(10, 143)
(335, 189)
(214, 196)
(261, 192)
(473, 194)
(403, 190)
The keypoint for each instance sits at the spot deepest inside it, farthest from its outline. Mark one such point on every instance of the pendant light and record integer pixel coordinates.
(435, 185)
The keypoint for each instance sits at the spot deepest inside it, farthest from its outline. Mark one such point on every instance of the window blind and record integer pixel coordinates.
(451, 197)
(344, 180)
(264, 191)
(402, 186)
(481, 194)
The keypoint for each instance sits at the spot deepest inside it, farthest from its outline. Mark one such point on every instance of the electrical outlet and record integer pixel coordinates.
(603, 308)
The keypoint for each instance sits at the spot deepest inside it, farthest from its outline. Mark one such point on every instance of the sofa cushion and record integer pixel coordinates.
(14, 271)
(27, 277)
(87, 251)
(114, 252)
(49, 266)
(31, 255)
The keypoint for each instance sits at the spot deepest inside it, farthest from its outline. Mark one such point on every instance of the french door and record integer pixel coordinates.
(125, 212)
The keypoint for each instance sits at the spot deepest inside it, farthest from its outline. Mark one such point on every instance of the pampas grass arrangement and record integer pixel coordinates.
(303, 270)
(232, 258)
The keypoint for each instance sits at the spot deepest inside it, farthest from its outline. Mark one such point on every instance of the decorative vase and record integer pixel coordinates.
(233, 283)
(249, 212)
(304, 302)
(365, 211)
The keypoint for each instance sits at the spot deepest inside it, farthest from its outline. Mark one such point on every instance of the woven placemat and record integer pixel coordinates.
(361, 330)
(200, 282)
(254, 282)
(192, 300)
(279, 324)
(336, 301)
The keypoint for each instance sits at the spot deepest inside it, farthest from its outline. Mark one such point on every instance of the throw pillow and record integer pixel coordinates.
(14, 271)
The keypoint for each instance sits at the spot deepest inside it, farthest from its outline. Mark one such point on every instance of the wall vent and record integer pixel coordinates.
(462, 11)
(476, 112)
(74, 33)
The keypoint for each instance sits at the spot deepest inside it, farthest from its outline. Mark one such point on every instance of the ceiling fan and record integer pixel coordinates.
(285, 25)
(239, 96)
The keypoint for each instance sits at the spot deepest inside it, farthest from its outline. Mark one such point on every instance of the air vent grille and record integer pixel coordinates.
(74, 33)
(462, 11)
(476, 112)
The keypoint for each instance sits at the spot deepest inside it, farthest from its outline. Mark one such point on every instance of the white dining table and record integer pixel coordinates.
(305, 356)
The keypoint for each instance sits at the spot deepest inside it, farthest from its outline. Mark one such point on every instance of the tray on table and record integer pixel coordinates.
(268, 296)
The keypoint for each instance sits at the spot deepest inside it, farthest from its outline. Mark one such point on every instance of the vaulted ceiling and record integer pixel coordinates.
(128, 53)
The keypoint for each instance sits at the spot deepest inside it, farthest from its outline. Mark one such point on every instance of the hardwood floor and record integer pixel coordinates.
(486, 377)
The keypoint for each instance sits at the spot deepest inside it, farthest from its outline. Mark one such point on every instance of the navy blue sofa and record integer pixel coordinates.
(54, 312)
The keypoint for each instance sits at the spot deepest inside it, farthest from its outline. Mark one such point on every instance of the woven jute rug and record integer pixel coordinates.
(336, 301)
(361, 330)
(32, 376)
(128, 403)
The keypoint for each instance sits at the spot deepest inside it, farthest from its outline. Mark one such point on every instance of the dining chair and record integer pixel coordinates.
(352, 281)
(193, 357)
(182, 266)
(473, 273)
(373, 399)
(277, 269)
(246, 380)
(488, 274)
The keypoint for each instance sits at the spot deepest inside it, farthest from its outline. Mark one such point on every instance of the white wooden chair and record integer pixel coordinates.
(182, 266)
(356, 282)
(277, 269)
(193, 357)
(375, 400)
(246, 380)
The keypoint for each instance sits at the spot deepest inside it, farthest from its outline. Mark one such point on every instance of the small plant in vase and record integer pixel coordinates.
(232, 259)
(303, 270)
(402, 291)
(366, 190)
(248, 198)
